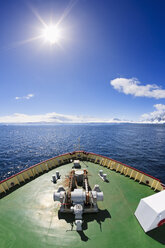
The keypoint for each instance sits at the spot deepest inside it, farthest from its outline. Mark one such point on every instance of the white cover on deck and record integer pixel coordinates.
(151, 210)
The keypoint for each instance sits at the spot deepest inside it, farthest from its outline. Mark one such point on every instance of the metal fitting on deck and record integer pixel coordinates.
(57, 174)
(103, 176)
(78, 196)
(56, 177)
(78, 200)
(54, 180)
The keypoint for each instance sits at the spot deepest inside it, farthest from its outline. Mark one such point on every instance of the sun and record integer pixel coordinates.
(52, 34)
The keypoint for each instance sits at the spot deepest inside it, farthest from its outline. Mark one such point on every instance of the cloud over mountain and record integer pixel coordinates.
(157, 116)
(133, 87)
(52, 118)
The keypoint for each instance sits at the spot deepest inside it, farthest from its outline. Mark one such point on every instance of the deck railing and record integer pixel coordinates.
(17, 180)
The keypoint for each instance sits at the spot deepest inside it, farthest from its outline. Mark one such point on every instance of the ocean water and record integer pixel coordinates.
(141, 146)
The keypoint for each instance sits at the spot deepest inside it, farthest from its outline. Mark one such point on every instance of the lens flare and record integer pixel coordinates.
(52, 34)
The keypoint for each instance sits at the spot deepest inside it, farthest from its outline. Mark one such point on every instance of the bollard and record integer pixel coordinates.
(54, 179)
(104, 177)
(101, 172)
(57, 174)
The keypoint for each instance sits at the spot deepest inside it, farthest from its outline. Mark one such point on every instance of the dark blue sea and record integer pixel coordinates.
(139, 145)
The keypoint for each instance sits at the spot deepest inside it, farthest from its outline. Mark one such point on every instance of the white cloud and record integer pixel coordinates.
(53, 118)
(24, 97)
(157, 116)
(133, 87)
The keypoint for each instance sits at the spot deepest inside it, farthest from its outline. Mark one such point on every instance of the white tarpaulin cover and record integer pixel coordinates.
(151, 211)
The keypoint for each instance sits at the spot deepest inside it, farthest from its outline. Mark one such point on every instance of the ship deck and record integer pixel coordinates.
(29, 217)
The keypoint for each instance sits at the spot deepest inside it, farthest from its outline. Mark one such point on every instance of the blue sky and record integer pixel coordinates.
(109, 62)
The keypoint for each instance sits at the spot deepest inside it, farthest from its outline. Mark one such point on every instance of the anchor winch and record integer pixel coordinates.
(78, 198)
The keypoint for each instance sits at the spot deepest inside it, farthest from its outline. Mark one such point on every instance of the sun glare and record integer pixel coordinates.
(52, 34)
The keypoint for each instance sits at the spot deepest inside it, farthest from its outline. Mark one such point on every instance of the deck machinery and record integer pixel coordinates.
(78, 198)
